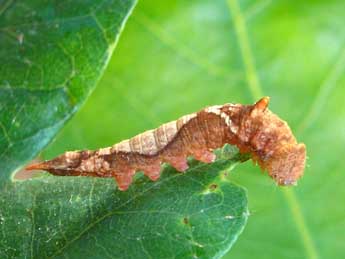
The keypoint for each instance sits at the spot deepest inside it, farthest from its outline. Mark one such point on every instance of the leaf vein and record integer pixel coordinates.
(91, 225)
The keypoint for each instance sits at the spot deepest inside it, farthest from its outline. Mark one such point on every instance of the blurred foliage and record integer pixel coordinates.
(176, 57)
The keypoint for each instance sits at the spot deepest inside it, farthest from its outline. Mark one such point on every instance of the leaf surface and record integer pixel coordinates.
(51, 56)
(198, 214)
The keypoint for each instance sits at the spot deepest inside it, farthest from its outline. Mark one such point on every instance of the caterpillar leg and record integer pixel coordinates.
(204, 156)
(124, 179)
(152, 171)
(179, 163)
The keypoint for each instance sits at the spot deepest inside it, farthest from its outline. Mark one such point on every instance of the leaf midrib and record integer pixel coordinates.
(115, 211)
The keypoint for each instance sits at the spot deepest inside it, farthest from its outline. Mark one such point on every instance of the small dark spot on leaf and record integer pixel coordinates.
(185, 221)
(213, 187)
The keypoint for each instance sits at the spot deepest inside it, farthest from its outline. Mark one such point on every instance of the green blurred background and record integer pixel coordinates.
(176, 57)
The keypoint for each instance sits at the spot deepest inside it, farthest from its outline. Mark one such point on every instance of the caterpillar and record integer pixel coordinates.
(253, 129)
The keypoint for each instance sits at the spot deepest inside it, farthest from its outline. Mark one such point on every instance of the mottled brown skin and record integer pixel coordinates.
(252, 128)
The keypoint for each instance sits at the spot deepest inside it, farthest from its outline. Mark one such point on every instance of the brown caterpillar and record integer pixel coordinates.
(252, 128)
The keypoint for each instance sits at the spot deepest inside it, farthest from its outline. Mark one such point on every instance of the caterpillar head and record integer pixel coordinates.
(287, 165)
(275, 147)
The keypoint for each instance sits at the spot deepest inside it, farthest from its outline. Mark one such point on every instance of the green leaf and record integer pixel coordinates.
(54, 54)
(198, 214)
(51, 56)
(184, 55)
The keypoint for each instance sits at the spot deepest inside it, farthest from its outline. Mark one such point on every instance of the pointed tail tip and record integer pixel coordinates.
(36, 166)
